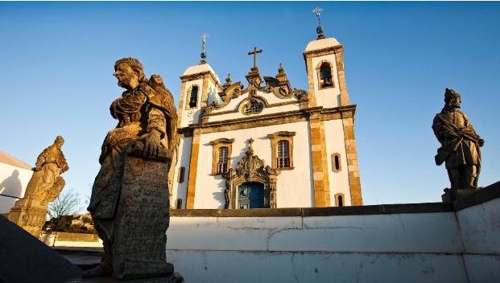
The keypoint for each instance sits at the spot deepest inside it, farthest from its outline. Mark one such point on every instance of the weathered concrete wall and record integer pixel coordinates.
(431, 242)
(480, 231)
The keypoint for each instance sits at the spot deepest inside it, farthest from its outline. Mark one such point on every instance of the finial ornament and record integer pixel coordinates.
(204, 48)
(280, 69)
(250, 141)
(319, 29)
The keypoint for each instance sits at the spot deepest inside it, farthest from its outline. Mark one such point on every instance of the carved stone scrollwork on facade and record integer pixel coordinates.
(251, 169)
(230, 92)
(267, 89)
(279, 86)
(284, 91)
(211, 107)
(300, 94)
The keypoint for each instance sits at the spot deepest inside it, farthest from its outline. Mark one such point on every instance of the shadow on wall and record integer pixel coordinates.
(219, 196)
(11, 186)
(10, 191)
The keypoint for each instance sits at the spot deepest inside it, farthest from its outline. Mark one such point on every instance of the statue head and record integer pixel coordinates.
(129, 72)
(452, 99)
(59, 141)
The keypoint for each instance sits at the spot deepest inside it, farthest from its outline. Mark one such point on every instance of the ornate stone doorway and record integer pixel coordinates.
(252, 177)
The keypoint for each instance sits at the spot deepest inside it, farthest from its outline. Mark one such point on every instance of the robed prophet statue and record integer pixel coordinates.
(460, 144)
(130, 196)
(44, 187)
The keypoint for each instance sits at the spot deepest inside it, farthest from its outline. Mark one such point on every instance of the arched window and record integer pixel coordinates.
(178, 203)
(325, 75)
(180, 177)
(283, 156)
(193, 98)
(339, 200)
(282, 150)
(222, 161)
(336, 165)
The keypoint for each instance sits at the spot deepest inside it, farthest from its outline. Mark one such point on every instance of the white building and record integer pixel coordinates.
(265, 143)
(14, 177)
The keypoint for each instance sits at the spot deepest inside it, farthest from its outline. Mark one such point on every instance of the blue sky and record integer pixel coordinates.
(57, 62)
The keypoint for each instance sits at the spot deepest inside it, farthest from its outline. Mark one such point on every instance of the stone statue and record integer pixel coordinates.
(130, 198)
(44, 186)
(460, 144)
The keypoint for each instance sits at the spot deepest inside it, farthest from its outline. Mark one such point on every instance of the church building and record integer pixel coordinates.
(264, 143)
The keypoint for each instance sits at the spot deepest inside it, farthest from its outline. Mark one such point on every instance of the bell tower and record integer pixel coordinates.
(324, 58)
(199, 88)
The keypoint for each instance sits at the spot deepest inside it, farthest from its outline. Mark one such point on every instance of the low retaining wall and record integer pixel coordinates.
(76, 237)
(430, 242)
(66, 239)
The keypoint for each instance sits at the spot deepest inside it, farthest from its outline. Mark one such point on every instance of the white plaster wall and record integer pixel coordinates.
(390, 233)
(480, 230)
(335, 143)
(420, 247)
(293, 186)
(179, 189)
(418, 233)
(306, 267)
(327, 97)
(483, 268)
(481, 227)
(10, 184)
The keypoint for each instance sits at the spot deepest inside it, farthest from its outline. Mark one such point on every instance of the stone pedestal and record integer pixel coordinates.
(142, 218)
(29, 214)
(458, 194)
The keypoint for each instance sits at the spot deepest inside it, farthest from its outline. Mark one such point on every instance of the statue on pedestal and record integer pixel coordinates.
(460, 144)
(44, 186)
(130, 196)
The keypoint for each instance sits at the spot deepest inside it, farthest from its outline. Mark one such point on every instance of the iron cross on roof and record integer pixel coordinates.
(319, 29)
(203, 48)
(318, 11)
(204, 42)
(254, 53)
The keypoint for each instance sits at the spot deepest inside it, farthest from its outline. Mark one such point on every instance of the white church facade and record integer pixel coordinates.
(265, 144)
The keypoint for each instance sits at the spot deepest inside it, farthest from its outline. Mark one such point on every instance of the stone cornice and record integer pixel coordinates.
(324, 51)
(325, 114)
(200, 75)
(316, 211)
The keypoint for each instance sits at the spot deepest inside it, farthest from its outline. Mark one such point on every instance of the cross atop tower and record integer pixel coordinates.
(319, 29)
(318, 11)
(204, 47)
(254, 53)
